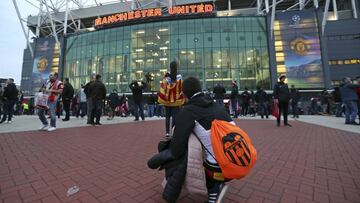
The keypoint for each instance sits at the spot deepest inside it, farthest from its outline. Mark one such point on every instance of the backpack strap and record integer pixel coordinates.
(204, 145)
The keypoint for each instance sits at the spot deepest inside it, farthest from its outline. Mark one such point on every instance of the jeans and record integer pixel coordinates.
(139, 108)
(339, 109)
(263, 109)
(151, 108)
(234, 103)
(295, 109)
(283, 107)
(96, 111)
(89, 104)
(82, 108)
(170, 111)
(41, 113)
(351, 110)
(66, 107)
(158, 110)
(8, 110)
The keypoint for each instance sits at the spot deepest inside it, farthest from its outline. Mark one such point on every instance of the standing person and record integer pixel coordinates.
(67, 95)
(282, 97)
(97, 93)
(89, 102)
(197, 117)
(151, 104)
(171, 96)
(325, 101)
(338, 102)
(54, 89)
(261, 99)
(358, 94)
(350, 99)
(113, 103)
(10, 96)
(1, 100)
(294, 101)
(234, 98)
(137, 90)
(82, 103)
(245, 97)
(219, 94)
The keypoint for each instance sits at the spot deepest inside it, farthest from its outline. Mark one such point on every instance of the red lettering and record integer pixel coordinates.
(143, 13)
(123, 16)
(131, 15)
(104, 20)
(98, 21)
(186, 9)
(180, 9)
(193, 8)
(137, 14)
(171, 10)
(200, 8)
(209, 8)
(151, 12)
(157, 12)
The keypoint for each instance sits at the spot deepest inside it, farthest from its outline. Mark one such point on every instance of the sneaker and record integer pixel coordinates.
(51, 129)
(222, 193)
(43, 127)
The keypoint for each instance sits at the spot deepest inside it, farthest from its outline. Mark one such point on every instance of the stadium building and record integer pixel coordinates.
(314, 42)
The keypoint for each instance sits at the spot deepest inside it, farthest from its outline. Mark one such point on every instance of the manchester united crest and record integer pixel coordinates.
(42, 64)
(300, 46)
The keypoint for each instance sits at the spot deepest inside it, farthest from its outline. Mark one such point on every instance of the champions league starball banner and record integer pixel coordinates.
(297, 46)
(44, 53)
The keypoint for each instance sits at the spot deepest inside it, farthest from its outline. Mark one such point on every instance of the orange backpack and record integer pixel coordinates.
(233, 149)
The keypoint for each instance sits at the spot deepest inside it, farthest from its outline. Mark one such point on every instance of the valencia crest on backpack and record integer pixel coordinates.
(233, 149)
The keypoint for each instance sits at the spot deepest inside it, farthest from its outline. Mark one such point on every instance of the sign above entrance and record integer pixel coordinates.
(153, 12)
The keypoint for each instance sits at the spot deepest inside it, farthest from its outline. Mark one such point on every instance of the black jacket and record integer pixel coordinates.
(234, 92)
(294, 95)
(137, 91)
(261, 96)
(97, 90)
(68, 92)
(87, 89)
(174, 159)
(246, 96)
(10, 92)
(281, 92)
(219, 92)
(114, 100)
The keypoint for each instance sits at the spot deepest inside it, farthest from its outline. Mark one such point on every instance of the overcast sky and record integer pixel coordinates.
(12, 39)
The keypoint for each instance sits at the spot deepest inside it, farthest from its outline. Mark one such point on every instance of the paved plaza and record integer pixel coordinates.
(304, 163)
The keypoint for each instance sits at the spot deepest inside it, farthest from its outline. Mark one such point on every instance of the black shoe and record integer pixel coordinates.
(136, 120)
(65, 119)
(91, 123)
(1, 122)
(353, 123)
(286, 124)
(98, 123)
(88, 122)
(347, 123)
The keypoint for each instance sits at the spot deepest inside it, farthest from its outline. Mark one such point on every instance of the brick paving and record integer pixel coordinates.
(305, 163)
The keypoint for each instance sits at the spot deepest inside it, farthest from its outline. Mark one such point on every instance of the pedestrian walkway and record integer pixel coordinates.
(303, 163)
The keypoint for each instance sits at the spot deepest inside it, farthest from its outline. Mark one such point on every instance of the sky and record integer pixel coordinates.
(12, 38)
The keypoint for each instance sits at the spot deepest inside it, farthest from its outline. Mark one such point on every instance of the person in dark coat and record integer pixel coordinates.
(219, 94)
(97, 92)
(234, 98)
(261, 98)
(245, 97)
(10, 96)
(113, 103)
(196, 116)
(350, 99)
(338, 102)
(282, 97)
(137, 90)
(294, 101)
(67, 96)
(89, 101)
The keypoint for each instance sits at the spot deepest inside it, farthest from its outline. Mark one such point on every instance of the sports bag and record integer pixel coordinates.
(233, 149)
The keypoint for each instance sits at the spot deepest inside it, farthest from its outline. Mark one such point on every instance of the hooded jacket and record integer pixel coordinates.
(196, 117)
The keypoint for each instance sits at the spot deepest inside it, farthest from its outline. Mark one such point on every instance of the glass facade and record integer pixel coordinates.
(216, 50)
